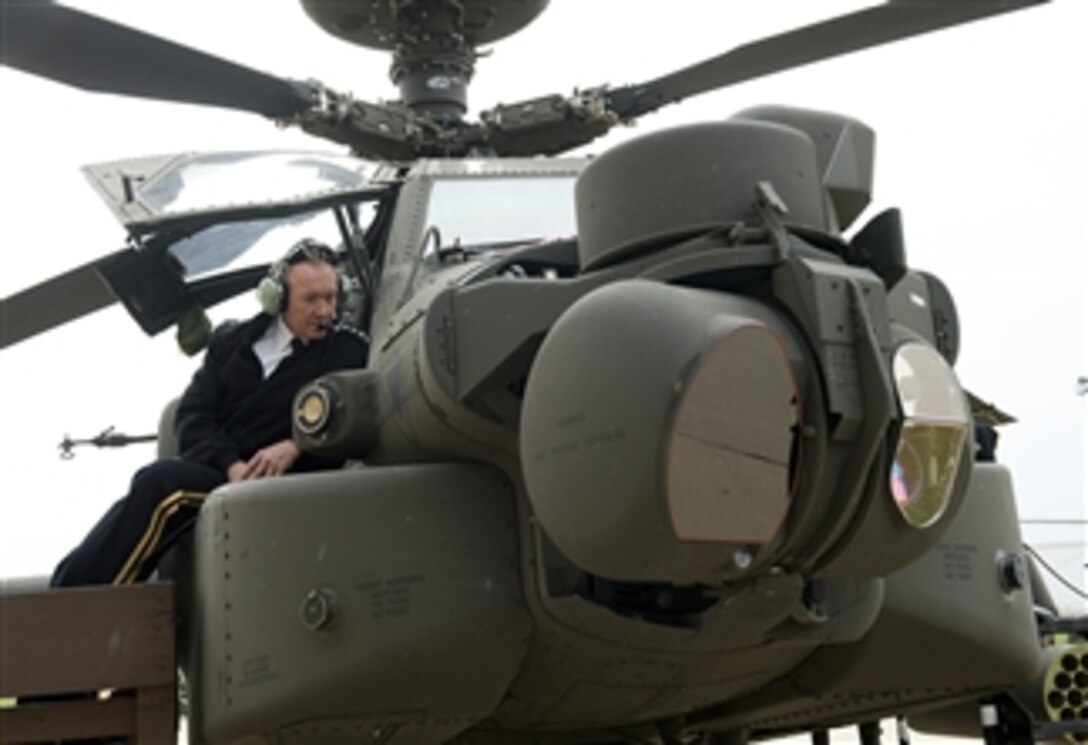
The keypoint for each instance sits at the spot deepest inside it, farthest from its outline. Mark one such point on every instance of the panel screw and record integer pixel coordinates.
(318, 610)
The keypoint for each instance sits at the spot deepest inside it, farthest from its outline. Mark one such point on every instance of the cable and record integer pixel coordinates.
(1055, 573)
(1070, 521)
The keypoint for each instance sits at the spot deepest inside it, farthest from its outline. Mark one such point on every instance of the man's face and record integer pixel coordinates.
(311, 299)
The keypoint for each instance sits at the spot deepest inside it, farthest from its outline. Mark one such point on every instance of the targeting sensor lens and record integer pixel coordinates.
(935, 425)
(313, 409)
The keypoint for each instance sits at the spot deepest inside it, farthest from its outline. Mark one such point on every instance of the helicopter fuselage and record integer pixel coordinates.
(614, 484)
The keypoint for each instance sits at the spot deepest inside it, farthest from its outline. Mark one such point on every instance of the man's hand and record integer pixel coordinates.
(273, 460)
(236, 471)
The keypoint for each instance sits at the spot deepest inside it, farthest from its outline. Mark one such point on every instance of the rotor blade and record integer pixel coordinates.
(72, 47)
(894, 20)
(54, 302)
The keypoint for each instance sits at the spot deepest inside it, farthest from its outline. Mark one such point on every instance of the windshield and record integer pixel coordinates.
(501, 211)
(229, 246)
(213, 180)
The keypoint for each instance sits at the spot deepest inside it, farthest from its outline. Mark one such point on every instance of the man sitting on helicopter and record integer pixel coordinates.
(233, 422)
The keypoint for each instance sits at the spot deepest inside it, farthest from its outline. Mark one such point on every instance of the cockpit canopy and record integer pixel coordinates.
(204, 226)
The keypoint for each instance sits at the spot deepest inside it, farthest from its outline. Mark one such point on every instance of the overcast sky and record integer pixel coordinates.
(981, 134)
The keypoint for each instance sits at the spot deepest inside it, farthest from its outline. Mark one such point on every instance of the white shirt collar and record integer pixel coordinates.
(273, 346)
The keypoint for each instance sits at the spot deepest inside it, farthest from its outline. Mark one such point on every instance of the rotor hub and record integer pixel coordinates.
(433, 41)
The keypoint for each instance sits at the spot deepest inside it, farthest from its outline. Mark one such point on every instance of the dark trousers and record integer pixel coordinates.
(125, 545)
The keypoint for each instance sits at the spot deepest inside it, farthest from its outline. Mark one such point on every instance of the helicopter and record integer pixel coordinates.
(461, 258)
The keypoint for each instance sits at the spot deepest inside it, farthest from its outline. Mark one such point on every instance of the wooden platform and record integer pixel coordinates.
(60, 648)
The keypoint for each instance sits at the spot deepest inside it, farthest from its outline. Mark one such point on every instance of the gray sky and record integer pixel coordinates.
(982, 137)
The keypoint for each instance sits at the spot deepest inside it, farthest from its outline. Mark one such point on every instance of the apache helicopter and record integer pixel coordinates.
(655, 453)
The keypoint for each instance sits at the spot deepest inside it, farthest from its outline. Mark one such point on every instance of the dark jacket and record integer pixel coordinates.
(229, 411)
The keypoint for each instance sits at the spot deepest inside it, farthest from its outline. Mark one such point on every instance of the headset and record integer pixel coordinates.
(272, 290)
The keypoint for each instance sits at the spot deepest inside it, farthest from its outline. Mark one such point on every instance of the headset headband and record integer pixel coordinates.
(272, 290)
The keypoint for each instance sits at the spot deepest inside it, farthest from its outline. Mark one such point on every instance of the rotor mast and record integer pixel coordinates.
(432, 62)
